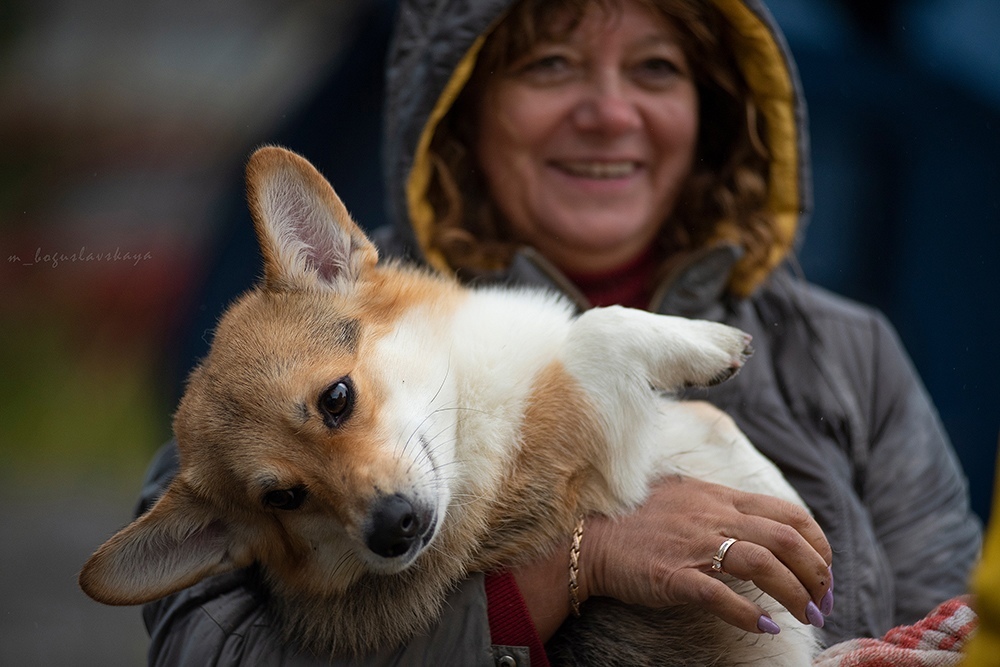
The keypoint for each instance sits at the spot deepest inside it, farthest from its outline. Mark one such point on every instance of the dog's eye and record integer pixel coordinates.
(335, 402)
(285, 499)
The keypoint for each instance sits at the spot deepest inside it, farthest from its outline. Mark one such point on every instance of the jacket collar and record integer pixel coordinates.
(694, 287)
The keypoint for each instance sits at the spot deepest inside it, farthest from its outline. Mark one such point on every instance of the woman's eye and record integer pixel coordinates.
(551, 63)
(660, 65)
(655, 71)
(286, 499)
(336, 402)
(546, 68)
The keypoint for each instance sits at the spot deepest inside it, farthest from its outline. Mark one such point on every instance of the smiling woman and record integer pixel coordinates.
(586, 139)
(603, 119)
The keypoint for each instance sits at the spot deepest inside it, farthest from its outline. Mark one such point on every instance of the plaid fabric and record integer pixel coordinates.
(936, 641)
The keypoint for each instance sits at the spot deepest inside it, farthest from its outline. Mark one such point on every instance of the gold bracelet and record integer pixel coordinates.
(574, 567)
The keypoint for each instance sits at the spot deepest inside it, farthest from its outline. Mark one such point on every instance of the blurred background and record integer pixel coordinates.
(123, 130)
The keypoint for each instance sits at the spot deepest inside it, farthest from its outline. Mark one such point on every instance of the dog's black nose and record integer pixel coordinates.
(394, 527)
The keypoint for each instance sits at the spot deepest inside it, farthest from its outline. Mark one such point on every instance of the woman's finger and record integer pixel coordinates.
(753, 562)
(788, 514)
(783, 564)
(714, 596)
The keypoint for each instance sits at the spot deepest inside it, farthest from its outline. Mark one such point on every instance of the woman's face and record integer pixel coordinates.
(585, 143)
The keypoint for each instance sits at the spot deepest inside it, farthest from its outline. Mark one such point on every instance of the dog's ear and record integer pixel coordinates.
(174, 545)
(306, 235)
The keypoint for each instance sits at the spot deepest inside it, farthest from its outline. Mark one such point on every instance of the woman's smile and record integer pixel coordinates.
(597, 169)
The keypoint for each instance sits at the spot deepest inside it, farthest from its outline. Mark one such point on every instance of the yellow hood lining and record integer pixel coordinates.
(420, 210)
(763, 64)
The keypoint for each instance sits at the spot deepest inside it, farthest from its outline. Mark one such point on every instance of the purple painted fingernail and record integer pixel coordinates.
(826, 604)
(764, 624)
(814, 615)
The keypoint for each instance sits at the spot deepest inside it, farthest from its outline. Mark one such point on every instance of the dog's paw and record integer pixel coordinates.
(718, 353)
(735, 364)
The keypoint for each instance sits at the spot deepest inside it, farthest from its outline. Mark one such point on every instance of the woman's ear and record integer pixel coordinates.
(174, 545)
(306, 235)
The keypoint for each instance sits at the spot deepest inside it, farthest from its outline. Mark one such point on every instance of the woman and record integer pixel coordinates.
(650, 153)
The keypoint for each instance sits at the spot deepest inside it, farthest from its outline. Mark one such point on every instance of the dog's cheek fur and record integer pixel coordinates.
(307, 562)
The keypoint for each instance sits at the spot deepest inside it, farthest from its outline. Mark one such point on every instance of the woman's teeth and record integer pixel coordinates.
(599, 169)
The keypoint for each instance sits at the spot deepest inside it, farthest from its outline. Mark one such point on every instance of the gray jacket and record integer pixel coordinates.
(829, 394)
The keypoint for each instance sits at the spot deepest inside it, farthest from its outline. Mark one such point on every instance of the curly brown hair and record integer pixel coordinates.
(724, 196)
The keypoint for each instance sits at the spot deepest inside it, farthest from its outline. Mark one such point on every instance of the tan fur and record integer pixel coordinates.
(537, 512)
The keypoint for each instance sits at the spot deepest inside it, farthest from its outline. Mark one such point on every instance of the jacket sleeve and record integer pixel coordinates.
(914, 487)
(223, 620)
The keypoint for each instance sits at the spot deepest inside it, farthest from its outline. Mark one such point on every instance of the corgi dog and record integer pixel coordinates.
(370, 433)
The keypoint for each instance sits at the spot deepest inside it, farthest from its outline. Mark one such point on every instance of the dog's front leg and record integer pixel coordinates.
(619, 356)
(668, 352)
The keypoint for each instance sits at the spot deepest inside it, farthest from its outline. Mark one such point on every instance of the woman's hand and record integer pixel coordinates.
(661, 555)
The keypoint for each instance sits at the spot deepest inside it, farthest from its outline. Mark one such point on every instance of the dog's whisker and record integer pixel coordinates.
(345, 560)
(447, 372)
(465, 408)
(446, 554)
(416, 430)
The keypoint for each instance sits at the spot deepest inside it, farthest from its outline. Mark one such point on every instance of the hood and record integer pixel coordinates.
(433, 54)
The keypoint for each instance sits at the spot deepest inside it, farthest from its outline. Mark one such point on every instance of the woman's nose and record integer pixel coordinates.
(606, 107)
